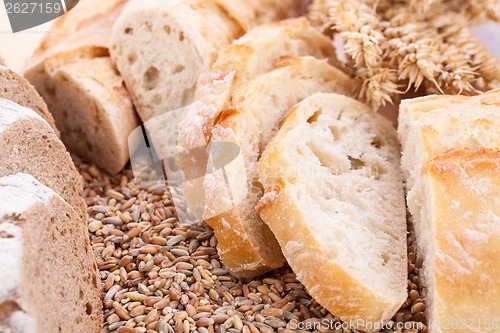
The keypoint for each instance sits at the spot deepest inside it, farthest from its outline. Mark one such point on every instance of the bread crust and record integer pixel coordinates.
(463, 186)
(451, 161)
(89, 24)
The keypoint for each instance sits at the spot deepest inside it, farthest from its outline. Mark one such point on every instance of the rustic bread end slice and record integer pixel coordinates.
(451, 161)
(16, 88)
(463, 206)
(335, 202)
(30, 146)
(50, 281)
(232, 193)
(92, 108)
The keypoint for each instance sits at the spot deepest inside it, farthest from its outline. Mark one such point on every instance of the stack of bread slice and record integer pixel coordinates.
(451, 160)
(84, 92)
(250, 122)
(263, 73)
(44, 244)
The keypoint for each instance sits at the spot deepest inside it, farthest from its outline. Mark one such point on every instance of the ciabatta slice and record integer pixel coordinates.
(335, 202)
(246, 245)
(50, 281)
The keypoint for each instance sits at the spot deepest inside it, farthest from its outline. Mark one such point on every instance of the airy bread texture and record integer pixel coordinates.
(30, 146)
(16, 88)
(85, 93)
(193, 32)
(232, 190)
(91, 107)
(50, 281)
(451, 160)
(335, 202)
(255, 53)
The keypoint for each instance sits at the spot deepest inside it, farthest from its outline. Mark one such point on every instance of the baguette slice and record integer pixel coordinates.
(193, 31)
(50, 281)
(451, 160)
(16, 88)
(335, 202)
(30, 146)
(91, 107)
(232, 189)
(255, 53)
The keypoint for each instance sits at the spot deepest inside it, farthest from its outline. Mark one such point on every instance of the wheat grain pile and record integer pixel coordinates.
(161, 276)
(394, 46)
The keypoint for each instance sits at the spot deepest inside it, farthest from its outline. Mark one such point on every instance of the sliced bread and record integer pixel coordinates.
(193, 32)
(335, 202)
(451, 160)
(50, 281)
(92, 108)
(255, 53)
(232, 190)
(29, 145)
(16, 88)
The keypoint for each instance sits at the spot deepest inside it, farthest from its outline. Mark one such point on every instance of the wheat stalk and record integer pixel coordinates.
(398, 45)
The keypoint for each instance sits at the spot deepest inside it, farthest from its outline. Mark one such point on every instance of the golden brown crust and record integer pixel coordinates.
(239, 248)
(464, 187)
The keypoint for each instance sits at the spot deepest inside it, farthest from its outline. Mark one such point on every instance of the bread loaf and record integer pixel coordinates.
(193, 32)
(254, 53)
(16, 88)
(72, 70)
(335, 202)
(30, 146)
(451, 160)
(50, 281)
(232, 190)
